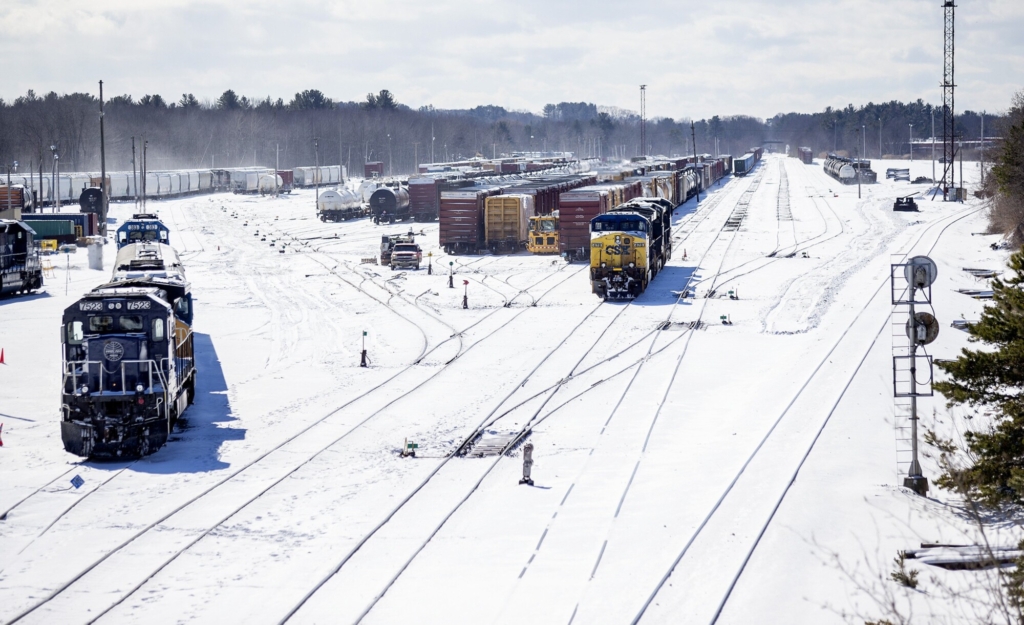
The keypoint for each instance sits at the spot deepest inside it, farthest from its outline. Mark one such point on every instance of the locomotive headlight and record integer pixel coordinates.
(603, 265)
(85, 389)
(139, 388)
(631, 265)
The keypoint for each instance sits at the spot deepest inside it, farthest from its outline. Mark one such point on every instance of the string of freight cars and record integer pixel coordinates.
(34, 190)
(552, 214)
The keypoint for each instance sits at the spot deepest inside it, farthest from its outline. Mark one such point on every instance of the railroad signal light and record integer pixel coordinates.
(527, 464)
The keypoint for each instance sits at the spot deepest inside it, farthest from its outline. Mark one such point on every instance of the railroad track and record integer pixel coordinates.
(492, 421)
(814, 373)
(212, 489)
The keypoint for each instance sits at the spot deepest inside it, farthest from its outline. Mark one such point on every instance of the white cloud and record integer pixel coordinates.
(745, 56)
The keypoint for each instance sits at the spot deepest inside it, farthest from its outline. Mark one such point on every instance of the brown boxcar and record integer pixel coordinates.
(461, 215)
(374, 168)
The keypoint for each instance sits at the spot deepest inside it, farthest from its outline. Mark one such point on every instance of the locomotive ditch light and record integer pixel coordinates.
(139, 388)
(85, 389)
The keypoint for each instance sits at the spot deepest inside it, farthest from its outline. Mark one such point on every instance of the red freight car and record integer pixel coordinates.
(373, 169)
(287, 177)
(577, 207)
(806, 156)
(462, 219)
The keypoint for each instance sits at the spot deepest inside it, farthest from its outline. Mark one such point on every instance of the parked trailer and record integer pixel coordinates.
(86, 224)
(462, 219)
(506, 221)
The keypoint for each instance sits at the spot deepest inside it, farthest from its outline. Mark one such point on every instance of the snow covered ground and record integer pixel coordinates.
(686, 470)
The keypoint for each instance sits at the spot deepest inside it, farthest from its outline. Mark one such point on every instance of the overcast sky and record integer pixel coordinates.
(697, 58)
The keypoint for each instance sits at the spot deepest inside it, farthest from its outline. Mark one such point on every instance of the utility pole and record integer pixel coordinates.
(911, 143)
(693, 136)
(391, 170)
(948, 88)
(277, 167)
(56, 179)
(879, 138)
(982, 152)
(416, 157)
(316, 178)
(105, 206)
(643, 120)
(135, 178)
(144, 170)
(432, 137)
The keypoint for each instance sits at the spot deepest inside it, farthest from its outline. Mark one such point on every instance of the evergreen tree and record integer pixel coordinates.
(992, 379)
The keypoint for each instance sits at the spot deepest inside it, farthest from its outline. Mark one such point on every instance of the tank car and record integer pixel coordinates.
(338, 205)
(140, 228)
(388, 204)
(129, 363)
(20, 269)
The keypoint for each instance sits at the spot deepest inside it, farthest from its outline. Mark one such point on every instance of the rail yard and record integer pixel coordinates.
(695, 351)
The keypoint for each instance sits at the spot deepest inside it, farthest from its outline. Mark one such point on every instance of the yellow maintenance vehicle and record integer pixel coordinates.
(543, 237)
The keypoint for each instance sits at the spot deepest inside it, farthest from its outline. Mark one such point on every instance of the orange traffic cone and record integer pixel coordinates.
(2, 356)
(1, 434)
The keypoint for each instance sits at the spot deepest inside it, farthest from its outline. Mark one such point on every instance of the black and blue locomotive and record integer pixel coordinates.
(129, 361)
(142, 227)
(20, 269)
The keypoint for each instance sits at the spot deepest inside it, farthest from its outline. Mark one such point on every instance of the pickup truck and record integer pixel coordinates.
(406, 255)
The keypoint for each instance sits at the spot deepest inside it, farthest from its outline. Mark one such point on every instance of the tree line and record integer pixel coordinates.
(236, 130)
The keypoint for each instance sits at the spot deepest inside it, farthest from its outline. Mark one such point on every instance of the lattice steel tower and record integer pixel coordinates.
(643, 120)
(948, 86)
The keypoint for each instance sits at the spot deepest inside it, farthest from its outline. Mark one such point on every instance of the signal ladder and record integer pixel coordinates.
(905, 388)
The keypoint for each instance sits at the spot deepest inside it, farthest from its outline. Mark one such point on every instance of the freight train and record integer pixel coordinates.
(129, 361)
(743, 165)
(20, 269)
(850, 171)
(629, 245)
(68, 188)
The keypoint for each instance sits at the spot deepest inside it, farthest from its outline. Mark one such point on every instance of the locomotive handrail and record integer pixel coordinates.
(76, 368)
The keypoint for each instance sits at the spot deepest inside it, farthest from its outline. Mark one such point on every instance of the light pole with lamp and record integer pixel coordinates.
(56, 178)
(911, 143)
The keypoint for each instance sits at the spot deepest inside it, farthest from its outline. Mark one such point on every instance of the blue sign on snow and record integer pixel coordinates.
(77, 481)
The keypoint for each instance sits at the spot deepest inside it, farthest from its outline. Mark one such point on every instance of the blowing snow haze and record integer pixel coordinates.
(742, 58)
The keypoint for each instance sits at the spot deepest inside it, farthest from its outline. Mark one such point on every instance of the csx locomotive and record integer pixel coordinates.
(628, 247)
(129, 366)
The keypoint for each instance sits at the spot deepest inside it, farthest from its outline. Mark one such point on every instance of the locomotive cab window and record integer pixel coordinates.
(158, 329)
(101, 323)
(75, 334)
(131, 323)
